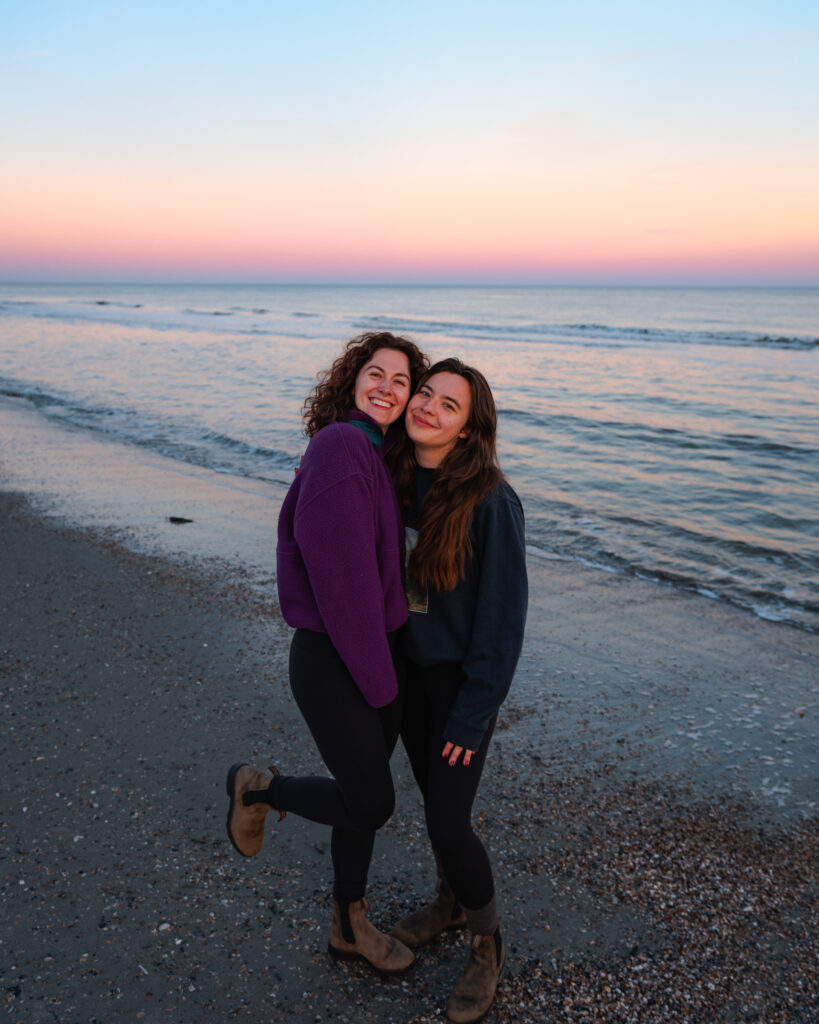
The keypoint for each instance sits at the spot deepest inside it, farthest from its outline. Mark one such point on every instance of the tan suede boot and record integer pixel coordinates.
(245, 825)
(428, 922)
(474, 991)
(386, 954)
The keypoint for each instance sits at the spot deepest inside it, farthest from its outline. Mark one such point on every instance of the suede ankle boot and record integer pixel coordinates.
(245, 823)
(428, 922)
(386, 954)
(474, 991)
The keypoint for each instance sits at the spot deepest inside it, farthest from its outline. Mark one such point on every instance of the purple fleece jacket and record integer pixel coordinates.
(340, 555)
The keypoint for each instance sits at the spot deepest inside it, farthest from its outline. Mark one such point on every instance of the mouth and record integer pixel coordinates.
(379, 403)
(419, 422)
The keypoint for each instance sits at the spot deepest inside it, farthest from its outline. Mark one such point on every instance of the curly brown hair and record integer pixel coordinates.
(333, 396)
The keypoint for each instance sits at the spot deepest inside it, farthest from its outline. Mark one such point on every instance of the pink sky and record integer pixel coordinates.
(517, 146)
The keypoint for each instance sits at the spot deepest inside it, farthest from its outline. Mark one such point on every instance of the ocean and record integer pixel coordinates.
(666, 433)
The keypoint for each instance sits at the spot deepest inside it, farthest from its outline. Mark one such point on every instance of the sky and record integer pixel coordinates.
(582, 142)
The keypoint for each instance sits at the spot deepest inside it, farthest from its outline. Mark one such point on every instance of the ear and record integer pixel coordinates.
(463, 434)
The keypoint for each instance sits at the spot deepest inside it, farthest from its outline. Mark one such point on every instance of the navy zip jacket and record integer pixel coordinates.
(479, 623)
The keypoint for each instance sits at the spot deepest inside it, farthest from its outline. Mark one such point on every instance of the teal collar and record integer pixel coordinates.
(370, 429)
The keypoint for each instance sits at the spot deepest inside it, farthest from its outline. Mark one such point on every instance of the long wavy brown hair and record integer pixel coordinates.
(466, 475)
(334, 394)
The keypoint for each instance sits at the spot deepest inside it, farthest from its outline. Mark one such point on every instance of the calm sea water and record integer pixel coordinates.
(667, 433)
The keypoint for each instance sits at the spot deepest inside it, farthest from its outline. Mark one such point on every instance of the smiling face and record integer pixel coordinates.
(382, 386)
(437, 416)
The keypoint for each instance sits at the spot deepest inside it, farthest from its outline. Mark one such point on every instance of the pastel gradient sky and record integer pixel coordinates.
(576, 142)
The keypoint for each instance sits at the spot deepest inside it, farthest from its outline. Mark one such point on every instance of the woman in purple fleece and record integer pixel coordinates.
(339, 564)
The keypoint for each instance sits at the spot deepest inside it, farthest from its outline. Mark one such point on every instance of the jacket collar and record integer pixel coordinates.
(372, 429)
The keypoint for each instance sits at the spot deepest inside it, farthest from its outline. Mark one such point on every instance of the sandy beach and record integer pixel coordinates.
(649, 801)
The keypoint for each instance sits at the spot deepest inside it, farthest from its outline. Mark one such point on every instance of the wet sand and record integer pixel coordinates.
(649, 804)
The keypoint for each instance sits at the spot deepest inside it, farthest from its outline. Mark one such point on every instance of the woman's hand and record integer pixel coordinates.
(453, 753)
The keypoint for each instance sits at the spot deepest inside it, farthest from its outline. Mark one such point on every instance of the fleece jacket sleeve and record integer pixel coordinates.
(500, 617)
(335, 532)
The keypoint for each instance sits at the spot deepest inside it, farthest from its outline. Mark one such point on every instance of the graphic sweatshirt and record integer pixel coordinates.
(480, 623)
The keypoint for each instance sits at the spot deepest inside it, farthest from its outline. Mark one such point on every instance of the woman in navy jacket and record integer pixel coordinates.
(467, 597)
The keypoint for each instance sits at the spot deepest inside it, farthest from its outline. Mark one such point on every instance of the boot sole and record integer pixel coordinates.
(344, 954)
(230, 787)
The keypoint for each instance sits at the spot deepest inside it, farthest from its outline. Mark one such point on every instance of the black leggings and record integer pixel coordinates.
(448, 792)
(355, 742)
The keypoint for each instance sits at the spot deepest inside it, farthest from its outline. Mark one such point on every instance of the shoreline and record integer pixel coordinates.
(648, 802)
(126, 493)
(133, 491)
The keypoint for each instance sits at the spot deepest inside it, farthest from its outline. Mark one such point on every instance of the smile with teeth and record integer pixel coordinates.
(379, 403)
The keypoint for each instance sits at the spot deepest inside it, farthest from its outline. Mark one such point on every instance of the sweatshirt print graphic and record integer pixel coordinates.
(417, 596)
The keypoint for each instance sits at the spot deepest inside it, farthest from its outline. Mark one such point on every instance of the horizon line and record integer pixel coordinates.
(256, 283)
